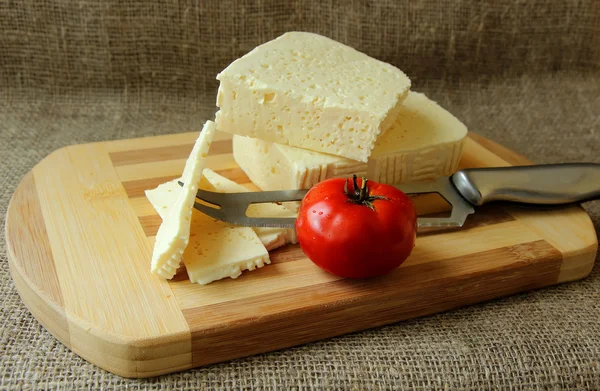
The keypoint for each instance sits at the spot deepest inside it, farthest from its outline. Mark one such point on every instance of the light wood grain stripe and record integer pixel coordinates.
(296, 272)
(270, 321)
(108, 276)
(511, 157)
(142, 206)
(27, 239)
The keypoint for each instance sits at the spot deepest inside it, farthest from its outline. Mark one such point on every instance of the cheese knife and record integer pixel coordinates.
(547, 184)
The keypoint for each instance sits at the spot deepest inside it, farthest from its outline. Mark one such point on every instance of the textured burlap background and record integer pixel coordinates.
(524, 73)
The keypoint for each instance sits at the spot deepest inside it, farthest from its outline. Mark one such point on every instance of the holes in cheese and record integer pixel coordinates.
(218, 250)
(424, 142)
(215, 250)
(311, 85)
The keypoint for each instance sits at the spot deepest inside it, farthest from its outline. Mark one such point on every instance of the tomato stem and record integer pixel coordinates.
(361, 196)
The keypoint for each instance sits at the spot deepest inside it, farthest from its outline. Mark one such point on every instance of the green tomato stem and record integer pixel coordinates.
(361, 196)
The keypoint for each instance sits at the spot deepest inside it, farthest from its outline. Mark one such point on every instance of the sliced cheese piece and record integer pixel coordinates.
(219, 250)
(309, 91)
(174, 232)
(216, 250)
(271, 237)
(425, 142)
(163, 197)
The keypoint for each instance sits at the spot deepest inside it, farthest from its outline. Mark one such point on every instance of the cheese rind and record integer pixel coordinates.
(309, 91)
(425, 142)
(216, 250)
(174, 232)
(271, 237)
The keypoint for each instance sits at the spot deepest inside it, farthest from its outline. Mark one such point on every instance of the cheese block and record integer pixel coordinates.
(425, 142)
(271, 237)
(174, 232)
(216, 250)
(309, 91)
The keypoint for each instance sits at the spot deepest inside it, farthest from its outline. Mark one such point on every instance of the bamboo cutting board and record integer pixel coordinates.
(80, 232)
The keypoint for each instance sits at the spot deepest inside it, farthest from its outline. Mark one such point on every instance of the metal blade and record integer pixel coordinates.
(243, 220)
(444, 187)
(232, 207)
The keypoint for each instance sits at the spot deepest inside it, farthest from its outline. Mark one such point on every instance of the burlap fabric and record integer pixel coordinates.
(525, 74)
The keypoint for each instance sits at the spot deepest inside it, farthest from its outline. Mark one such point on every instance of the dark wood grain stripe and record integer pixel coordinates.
(288, 253)
(235, 174)
(171, 152)
(28, 241)
(180, 274)
(138, 187)
(344, 306)
(137, 156)
(150, 224)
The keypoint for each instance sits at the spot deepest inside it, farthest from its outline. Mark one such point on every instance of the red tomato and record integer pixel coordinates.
(357, 228)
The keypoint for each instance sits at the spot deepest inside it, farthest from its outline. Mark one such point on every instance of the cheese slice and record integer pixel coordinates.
(216, 250)
(174, 232)
(425, 142)
(271, 237)
(309, 91)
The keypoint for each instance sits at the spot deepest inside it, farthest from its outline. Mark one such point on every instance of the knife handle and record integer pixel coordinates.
(546, 184)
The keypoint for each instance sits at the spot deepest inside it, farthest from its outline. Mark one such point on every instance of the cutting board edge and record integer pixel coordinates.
(388, 310)
(129, 365)
(62, 325)
(25, 288)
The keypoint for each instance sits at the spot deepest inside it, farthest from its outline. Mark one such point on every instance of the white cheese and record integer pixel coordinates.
(165, 195)
(309, 91)
(425, 142)
(174, 232)
(219, 250)
(271, 237)
(216, 250)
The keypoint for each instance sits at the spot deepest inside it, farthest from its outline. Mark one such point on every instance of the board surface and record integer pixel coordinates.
(80, 233)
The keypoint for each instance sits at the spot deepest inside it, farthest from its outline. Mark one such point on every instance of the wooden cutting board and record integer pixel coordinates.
(80, 232)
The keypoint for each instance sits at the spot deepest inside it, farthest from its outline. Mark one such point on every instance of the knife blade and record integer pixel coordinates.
(549, 184)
